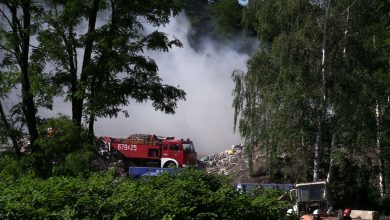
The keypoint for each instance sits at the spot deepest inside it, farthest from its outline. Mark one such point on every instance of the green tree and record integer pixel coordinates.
(15, 38)
(278, 99)
(7, 129)
(318, 83)
(218, 20)
(361, 102)
(226, 16)
(111, 70)
(199, 17)
(64, 148)
(114, 67)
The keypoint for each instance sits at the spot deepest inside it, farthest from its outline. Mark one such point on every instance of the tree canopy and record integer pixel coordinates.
(92, 53)
(317, 88)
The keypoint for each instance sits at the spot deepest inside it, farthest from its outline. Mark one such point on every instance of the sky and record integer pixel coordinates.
(243, 2)
(206, 117)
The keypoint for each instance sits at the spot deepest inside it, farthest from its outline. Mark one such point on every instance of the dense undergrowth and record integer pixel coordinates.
(191, 194)
(60, 182)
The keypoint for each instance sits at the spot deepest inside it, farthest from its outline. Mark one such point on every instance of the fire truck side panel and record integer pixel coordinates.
(137, 150)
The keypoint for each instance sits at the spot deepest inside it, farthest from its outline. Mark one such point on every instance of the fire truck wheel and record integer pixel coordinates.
(170, 164)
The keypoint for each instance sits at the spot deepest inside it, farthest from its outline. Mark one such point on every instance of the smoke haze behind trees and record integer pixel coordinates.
(206, 116)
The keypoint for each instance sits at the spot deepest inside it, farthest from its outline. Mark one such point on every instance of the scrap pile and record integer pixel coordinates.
(226, 162)
(234, 163)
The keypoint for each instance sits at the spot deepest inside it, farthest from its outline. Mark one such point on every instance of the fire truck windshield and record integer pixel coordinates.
(189, 147)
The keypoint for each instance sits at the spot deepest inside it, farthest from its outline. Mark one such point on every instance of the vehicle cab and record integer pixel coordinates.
(178, 153)
(311, 196)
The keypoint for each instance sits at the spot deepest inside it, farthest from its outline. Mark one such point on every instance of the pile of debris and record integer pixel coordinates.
(226, 162)
(234, 162)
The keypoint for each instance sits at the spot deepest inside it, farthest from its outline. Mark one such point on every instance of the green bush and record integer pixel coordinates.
(11, 165)
(272, 206)
(191, 194)
(65, 149)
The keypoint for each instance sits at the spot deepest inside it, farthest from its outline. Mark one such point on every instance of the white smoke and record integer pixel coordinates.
(206, 116)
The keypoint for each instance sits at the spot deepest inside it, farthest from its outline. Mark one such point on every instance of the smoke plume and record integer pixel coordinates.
(206, 117)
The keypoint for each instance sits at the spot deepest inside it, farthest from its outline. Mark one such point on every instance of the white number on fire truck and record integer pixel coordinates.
(127, 147)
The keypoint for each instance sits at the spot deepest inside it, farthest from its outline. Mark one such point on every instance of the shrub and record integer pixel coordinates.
(270, 204)
(191, 194)
(11, 165)
(65, 149)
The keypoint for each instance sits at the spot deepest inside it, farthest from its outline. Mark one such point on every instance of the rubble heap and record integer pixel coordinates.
(233, 162)
(227, 162)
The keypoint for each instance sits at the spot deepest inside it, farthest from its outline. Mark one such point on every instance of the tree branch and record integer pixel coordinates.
(16, 26)
(6, 18)
(35, 47)
(346, 10)
(8, 50)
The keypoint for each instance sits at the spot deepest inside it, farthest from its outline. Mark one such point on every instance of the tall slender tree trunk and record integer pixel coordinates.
(78, 100)
(316, 151)
(21, 46)
(29, 108)
(324, 99)
(379, 114)
(329, 177)
(249, 152)
(346, 30)
(92, 114)
(91, 123)
(96, 80)
(379, 111)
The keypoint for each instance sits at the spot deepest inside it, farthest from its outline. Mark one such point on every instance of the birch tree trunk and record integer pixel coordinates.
(324, 99)
(379, 111)
(316, 152)
(347, 11)
(329, 177)
(333, 143)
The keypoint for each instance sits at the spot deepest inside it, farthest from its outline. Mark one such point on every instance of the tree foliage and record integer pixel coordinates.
(92, 53)
(65, 148)
(317, 86)
(100, 69)
(219, 21)
(8, 130)
(113, 61)
(17, 26)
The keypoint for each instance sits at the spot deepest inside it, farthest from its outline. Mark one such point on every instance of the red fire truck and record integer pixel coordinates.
(150, 150)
